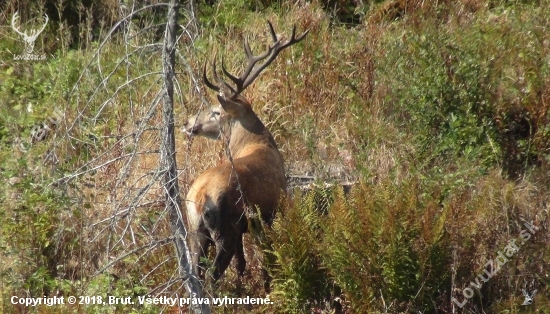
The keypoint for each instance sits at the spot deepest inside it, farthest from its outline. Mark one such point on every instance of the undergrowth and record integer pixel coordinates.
(436, 114)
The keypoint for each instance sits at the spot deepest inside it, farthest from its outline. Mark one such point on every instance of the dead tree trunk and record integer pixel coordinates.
(168, 163)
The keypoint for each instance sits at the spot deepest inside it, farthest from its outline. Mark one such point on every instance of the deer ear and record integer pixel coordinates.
(235, 108)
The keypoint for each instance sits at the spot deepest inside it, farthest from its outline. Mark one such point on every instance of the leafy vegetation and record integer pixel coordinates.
(438, 112)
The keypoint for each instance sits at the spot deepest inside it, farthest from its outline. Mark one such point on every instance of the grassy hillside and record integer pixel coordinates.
(436, 111)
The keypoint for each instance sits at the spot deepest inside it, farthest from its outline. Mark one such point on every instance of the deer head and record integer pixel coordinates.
(206, 123)
(217, 122)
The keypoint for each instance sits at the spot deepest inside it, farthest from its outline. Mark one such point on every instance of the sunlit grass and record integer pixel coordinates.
(438, 113)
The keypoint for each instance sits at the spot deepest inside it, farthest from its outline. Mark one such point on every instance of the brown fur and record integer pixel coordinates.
(224, 199)
(215, 205)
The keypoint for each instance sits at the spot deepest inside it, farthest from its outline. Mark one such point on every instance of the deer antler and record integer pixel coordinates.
(251, 72)
(34, 33)
(13, 18)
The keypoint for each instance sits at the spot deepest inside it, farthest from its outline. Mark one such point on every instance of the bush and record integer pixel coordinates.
(298, 277)
(380, 246)
(454, 87)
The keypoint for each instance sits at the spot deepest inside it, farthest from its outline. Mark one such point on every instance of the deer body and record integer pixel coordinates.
(221, 198)
(215, 205)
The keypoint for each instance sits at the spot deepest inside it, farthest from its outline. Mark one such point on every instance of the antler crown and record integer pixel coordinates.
(252, 71)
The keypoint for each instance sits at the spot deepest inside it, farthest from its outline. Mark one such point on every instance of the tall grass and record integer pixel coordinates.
(439, 112)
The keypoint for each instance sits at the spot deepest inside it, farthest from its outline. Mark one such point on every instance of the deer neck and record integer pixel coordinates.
(244, 133)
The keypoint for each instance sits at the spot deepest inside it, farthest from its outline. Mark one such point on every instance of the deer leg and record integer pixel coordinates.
(267, 280)
(225, 249)
(199, 248)
(268, 260)
(241, 262)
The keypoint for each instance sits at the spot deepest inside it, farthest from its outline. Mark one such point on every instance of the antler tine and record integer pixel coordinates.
(235, 79)
(14, 17)
(252, 60)
(272, 31)
(293, 39)
(273, 52)
(222, 82)
(247, 49)
(206, 81)
(45, 23)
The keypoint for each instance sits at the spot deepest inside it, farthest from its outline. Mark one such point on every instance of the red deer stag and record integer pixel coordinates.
(253, 177)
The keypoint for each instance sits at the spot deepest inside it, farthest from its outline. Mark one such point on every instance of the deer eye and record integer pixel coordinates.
(215, 115)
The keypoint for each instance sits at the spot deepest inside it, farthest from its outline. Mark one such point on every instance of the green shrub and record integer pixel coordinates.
(471, 90)
(31, 233)
(375, 248)
(298, 276)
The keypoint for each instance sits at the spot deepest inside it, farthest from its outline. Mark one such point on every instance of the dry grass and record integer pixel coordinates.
(332, 102)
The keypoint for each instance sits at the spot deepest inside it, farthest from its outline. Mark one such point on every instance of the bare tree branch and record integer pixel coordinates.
(168, 163)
